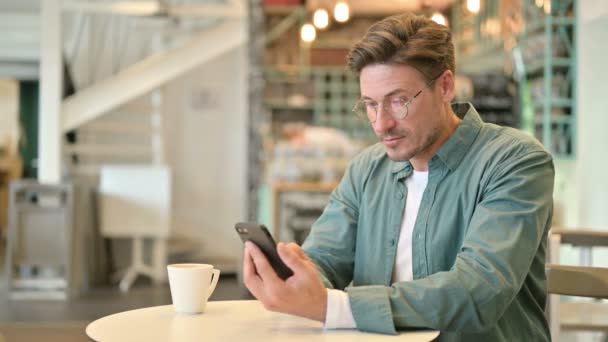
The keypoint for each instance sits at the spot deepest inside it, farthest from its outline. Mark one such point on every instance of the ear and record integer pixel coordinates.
(447, 86)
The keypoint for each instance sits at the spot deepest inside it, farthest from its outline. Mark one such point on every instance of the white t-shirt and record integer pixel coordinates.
(339, 313)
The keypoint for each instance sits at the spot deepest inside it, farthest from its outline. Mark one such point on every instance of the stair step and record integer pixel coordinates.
(110, 150)
(139, 106)
(118, 127)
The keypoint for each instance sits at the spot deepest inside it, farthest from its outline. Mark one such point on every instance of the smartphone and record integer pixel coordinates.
(258, 234)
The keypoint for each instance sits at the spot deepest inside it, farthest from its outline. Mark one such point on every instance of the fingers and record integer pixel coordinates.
(295, 247)
(249, 270)
(291, 256)
(250, 277)
(262, 266)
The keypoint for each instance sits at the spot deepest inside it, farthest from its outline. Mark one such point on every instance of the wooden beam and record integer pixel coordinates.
(582, 237)
(577, 281)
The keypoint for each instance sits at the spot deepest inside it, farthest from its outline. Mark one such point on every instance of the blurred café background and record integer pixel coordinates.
(134, 134)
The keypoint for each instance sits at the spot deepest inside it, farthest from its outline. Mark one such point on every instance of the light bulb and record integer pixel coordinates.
(439, 19)
(341, 12)
(308, 33)
(320, 18)
(473, 5)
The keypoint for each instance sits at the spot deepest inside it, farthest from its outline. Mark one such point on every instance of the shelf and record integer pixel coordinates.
(281, 9)
(539, 25)
(564, 21)
(538, 67)
(559, 120)
(548, 47)
(555, 103)
(282, 104)
(480, 106)
(304, 186)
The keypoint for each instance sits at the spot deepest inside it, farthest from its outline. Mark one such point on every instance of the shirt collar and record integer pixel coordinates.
(454, 149)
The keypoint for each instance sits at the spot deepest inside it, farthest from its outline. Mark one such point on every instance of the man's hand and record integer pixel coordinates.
(302, 294)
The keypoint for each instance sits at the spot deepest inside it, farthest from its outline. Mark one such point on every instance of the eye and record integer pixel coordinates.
(398, 101)
(370, 104)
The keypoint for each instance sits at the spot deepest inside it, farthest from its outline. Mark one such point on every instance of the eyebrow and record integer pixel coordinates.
(394, 92)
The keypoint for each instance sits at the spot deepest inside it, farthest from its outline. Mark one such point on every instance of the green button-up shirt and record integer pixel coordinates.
(478, 244)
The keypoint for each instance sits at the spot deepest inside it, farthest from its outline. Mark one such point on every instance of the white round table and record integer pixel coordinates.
(242, 320)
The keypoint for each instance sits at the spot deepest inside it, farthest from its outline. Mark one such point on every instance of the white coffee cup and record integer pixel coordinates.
(191, 286)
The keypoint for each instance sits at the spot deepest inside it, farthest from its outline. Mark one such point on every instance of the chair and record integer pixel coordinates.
(135, 203)
(580, 281)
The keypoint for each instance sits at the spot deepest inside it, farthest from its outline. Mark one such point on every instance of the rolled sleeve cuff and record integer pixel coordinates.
(371, 309)
(339, 315)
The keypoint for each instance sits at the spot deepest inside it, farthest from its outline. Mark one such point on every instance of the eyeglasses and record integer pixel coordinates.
(396, 106)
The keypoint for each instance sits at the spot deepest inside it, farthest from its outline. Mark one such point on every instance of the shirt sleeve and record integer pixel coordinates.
(339, 315)
(331, 242)
(503, 237)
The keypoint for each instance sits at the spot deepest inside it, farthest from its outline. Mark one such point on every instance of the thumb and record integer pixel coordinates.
(291, 258)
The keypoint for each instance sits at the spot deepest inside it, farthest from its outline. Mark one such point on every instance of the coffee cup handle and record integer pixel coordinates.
(216, 276)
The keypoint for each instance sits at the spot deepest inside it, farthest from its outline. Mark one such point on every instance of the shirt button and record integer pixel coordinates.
(419, 236)
(392, 242)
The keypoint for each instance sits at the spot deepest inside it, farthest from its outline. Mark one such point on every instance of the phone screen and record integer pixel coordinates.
(258, 234)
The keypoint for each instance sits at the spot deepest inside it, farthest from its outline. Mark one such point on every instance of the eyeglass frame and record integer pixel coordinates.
(405, 104)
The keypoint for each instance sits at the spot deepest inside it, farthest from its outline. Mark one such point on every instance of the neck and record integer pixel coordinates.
(452, 121)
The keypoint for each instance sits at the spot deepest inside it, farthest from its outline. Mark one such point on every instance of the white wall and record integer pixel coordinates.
(581, 189)
(592, 117)
(566, 193)
(206, 122)
(592, 113)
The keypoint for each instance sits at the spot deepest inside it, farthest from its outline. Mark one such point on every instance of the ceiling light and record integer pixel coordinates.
(473, 5)
(320, 18)
(308, 33)
(439, 19)
(341, 12)
(539, 3)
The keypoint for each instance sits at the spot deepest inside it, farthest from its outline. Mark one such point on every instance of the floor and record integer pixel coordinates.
(65, 321)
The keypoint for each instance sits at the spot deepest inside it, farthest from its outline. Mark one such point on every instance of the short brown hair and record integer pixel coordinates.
(408, 39)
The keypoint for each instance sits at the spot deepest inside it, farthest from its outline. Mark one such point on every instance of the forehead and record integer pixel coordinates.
(377, 80)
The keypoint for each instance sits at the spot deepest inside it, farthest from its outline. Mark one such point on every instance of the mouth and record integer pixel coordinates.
(391, 141)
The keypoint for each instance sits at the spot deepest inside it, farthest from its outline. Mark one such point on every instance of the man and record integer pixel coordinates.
(442, 225)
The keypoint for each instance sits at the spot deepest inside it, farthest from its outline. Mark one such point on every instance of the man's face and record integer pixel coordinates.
(410, 137)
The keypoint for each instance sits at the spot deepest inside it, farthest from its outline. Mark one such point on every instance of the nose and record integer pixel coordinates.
(384, 121)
